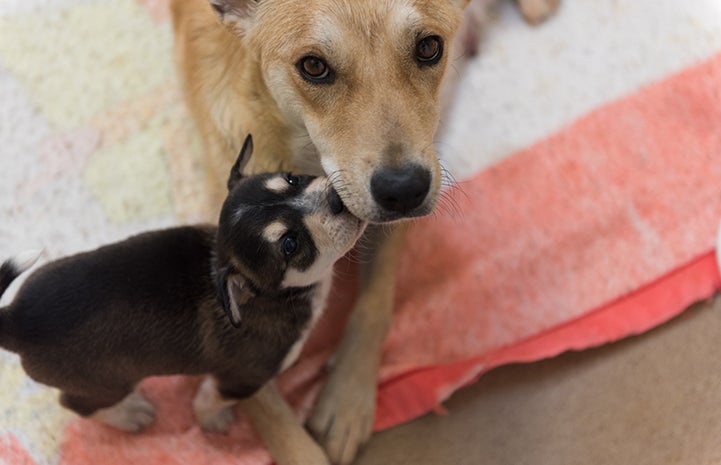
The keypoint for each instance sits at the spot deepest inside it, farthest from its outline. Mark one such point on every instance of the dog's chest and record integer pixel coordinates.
(317, 306)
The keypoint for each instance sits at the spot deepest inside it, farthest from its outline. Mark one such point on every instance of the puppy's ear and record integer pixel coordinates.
(236, 14)
(234, 292)
(236, 172)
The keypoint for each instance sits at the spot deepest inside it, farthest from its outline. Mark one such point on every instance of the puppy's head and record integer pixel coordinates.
(276, 232)
(362, 79)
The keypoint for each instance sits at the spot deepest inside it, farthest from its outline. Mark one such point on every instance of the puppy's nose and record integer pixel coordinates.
(400, 189)
(334, 201)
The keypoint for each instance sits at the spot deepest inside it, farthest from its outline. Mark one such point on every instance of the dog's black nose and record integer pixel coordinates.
(400, 189)
(335, 203)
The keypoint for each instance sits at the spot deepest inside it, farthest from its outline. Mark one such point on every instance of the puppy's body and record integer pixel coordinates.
(234, 302)
(97, 338)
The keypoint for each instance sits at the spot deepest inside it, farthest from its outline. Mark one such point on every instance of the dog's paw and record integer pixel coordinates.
(214, 414)
(132, 414)
(342, 420)
(537, 11)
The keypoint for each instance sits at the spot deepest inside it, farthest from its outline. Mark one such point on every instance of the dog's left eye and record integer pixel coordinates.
(292, 180)
(290, 244)
(429, 50)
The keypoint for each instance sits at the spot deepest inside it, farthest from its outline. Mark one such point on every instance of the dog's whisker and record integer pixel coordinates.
(449, 205)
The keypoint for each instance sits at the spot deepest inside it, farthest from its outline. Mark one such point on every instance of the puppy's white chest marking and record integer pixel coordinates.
(318, 305)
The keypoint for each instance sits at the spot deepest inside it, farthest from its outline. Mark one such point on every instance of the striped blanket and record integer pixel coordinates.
(588, 158)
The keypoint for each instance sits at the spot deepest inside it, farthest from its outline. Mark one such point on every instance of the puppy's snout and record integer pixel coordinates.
(335, 203)
(400, 189)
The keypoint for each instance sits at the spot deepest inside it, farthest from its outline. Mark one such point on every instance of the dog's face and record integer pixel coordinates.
(361, 79)
(279, 231)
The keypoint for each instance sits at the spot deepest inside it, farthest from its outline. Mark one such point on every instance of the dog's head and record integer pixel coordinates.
(277, 232)
(361, 79)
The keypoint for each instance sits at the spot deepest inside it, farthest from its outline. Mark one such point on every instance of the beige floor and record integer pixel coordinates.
(653, 399)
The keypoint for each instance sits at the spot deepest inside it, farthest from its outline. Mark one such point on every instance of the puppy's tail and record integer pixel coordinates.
(14, 267)
(9, 271)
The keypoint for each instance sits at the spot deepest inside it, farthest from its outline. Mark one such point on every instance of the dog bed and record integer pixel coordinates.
(599, 228)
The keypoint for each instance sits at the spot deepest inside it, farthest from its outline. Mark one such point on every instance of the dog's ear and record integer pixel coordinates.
(236, 14)
(234, 293)
(236, 172)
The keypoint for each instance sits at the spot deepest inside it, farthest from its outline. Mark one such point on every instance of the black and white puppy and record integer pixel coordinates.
(234, 302)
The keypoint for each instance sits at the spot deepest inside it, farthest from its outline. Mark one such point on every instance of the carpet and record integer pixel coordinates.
(588, 196)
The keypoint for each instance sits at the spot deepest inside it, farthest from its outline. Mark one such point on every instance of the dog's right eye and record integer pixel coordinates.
(315, 70)
(290, 244)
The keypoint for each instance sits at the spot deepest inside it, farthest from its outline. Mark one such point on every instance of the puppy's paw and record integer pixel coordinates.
(214, 414)
(342, 420)
(216, 422)
(132, 414)
(537, 11)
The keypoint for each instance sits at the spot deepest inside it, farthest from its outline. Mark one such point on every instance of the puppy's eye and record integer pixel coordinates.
(290, 244)
(429, 50)
(292, 180)
(315, 70)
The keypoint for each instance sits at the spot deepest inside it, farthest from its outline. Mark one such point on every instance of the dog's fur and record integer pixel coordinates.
(234, 302)
(368, 123)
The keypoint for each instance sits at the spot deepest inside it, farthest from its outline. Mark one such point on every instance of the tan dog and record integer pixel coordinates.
(346, 88)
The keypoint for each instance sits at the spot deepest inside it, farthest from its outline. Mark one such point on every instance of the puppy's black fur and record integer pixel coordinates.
(186, 300)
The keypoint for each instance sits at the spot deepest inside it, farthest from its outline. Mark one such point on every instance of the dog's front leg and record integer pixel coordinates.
(276, 423)
(343, 416)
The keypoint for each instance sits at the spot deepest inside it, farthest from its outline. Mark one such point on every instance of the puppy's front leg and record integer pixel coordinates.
(278, 426)
(343, 416)
(213, 411)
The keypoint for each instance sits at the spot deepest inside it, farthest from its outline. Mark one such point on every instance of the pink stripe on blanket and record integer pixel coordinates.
(601, 231)
(415, 393)
(13, 452)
